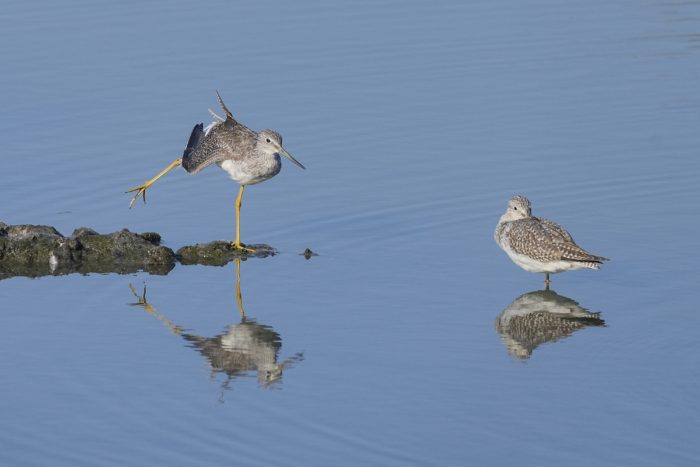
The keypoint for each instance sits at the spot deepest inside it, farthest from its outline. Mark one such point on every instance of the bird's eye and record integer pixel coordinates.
(268, 140)
(515, 207)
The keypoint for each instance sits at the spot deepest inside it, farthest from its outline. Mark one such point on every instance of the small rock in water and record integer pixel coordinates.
(308, 253)
(220, 253)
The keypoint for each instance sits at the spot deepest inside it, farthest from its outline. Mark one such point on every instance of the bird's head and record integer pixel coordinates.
(269, 374)
(271, 142)
(518, 208)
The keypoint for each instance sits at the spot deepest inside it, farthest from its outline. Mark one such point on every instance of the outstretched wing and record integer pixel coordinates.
(223, 141)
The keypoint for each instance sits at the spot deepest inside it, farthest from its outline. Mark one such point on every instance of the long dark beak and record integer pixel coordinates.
(289, 156)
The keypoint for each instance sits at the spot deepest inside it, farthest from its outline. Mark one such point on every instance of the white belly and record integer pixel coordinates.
(251, 173)
(532, 265)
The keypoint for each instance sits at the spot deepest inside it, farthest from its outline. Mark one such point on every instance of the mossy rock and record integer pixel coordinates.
(220, 253)
(38, 250)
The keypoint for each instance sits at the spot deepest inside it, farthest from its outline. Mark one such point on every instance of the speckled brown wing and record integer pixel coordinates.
(555, 229)
(544, 240)
(227, 140)
(528, 237)
(570, 250)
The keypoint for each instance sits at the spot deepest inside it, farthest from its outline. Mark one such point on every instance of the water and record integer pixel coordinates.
(416, 122)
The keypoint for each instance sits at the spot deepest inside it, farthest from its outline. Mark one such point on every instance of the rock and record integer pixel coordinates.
(83, 232)
(219, 253)
(307, 254)
(24, 231)
(37, 250)
(152, 237)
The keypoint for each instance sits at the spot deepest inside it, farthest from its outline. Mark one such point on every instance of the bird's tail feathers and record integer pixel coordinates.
(223, 106)
(596, 259)
(216, 116)
(576, 253)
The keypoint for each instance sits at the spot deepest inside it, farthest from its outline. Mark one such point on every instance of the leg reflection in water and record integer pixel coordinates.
(240, 350)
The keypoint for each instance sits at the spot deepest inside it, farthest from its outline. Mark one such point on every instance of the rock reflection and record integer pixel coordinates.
(541, 316)
(242, 349)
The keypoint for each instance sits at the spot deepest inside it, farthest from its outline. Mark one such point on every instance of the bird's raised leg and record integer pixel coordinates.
(237, 243)
(546, 281)
(141, 189)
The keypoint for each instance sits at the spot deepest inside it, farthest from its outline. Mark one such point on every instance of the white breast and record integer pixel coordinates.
(250, 172)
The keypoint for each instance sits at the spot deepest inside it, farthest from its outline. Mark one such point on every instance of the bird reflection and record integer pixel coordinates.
(541, 316)
(240, 350)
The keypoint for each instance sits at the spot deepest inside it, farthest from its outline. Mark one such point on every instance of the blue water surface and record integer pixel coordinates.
(416, 122)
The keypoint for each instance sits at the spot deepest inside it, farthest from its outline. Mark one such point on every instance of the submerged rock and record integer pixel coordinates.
(38, 250)
(219, 253)
(307, 254)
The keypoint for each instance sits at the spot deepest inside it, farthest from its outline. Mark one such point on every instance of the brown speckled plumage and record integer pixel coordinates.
(544, 240)
(225, 140)
(537, 244)
(247, 156)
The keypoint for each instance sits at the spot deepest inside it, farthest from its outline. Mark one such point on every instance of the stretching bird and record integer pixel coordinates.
(248, 157)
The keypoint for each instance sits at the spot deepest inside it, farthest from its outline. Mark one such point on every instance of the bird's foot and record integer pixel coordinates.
(237, 245)
(140, 191)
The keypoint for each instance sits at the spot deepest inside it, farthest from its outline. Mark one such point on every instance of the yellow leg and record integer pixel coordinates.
(141, 189)
(237, 243)
(239, 297)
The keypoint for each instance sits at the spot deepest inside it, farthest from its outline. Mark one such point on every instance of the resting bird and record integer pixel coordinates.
(539, 245)
(248, 157)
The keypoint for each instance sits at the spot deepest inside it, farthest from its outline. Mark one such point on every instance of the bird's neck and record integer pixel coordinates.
(508, 217)
(504, 218)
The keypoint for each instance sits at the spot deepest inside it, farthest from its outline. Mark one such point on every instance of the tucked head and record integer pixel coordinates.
(270, 141)
(518, 208)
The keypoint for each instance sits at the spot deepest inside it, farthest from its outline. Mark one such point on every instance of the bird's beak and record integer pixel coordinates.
(289, 156)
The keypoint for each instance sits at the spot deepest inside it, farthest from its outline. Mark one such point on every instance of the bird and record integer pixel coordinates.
(247, 156)
(540, 245)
